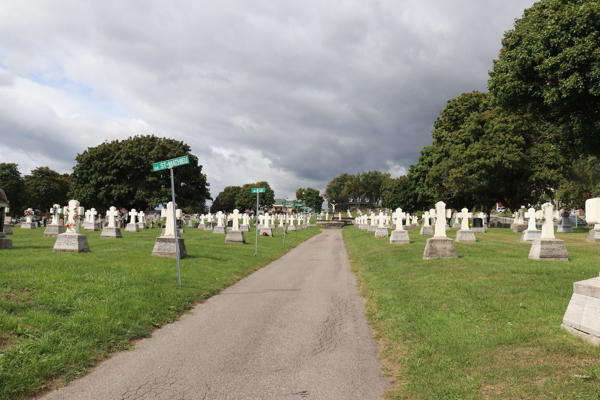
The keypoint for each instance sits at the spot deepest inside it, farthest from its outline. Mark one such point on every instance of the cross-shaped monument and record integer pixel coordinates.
(465, 234)
(548, 247)
(165, 243)
(531, 233)
(132, 226)
(399, 235)
(440, 246)
(55, 227)
(111, 231)
(235, 235)
(426, 229)
(72, 241)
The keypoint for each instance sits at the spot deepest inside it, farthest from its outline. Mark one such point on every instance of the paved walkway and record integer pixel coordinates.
(294, 329)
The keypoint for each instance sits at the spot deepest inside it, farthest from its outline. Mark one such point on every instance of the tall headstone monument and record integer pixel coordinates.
(111, 231)
(71, 241)
(426, 229)
(29, 224)
(5, 243)
(235, 235)
(220, 228)
(399, 235)
(165, 244)
(381, 230)
(548, 247)
(465, 234)
(265, 229)
(142, 220)
(592, 216)
(440, 246)
(90, 220)
(55, 228)
(531, 233)
(132, 226)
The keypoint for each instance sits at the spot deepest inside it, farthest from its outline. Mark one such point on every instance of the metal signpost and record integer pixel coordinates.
(257, 191)
(170, 164)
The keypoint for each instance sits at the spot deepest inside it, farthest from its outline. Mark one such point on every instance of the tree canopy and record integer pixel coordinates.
(246, 200)
(119, 173)
(14, 187)
(549, 66)
(46, 187)
(311, 198)
(228, 198)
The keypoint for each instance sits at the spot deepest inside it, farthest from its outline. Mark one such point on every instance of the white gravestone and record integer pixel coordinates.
(28, 224)
(426, 229)
(132, 226)
(111, 231)
(208, 225)
(281, 226)
(291, 227)
(399, 235)
(592, 216)
(465, 234)
(220, 228)
(245, 227)
(235, 235)
(142, 220)
(373, 225)
(531, 233)
(548, 247)
(55, 228)
(72, 241)
(440, 246)
(90, 220)
(381, 230)
(582, 317)
(165, 244)
(5, 243)
(201, 224)
(265, 229)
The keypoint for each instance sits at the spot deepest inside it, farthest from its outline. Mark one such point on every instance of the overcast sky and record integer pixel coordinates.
(291, 92)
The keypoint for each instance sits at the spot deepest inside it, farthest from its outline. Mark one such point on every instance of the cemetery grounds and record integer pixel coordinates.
(61, 313)
(483, 326)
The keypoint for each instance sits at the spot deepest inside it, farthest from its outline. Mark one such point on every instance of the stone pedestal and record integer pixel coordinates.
(235, 237)
(111, 233)
(192, 223)
(565, 228)
(272, 226)
(408, 227)
(165, 247)
(280, 229)
(200, 226)
(53, 230)
(266, 232)
(530, 235)
(549, 249)
(71, 243)
(244, 228)
(142, 225)
(426, 230)
(438, 247)
(29, 225)
(90, 226)
(220, 229)
(519, 228)
(456, 225)
(582, 317)
(381, 232)
(208, 226)
(593, 235)
(5, 243)
(465, 236)
(132, 227)
(478, 230)
(372, 228)
(399, 237)
(8, 229)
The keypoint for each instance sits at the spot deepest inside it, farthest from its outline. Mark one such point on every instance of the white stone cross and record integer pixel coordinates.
(592, 212)
(55, 211)
(440, 223)
(548, 227)
(426, 219)
(112, 215)
(531, 223)
(432, 214)
(246, 219)
(281, 220)
(272, 219)
(168, 214)
(266, 220)
(236, 220)
(92, 215)
(399, 217)
(407, 219)
(142, 217)
(133, 213)
(381, 219)
(220, 219)
(74, 213)
(209, 217)
(464, 216)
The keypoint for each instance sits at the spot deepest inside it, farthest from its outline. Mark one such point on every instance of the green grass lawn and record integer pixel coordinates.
(483, 326)
(60, 313)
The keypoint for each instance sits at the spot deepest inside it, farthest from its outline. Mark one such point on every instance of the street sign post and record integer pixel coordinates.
(170, 164)
(259, 190)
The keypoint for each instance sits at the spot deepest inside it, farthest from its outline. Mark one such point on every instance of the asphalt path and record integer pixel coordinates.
(295, 329)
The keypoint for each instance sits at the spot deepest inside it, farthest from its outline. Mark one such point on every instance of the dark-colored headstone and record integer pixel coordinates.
(477, 222)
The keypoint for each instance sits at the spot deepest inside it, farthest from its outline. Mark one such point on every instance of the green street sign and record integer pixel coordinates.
(175, 162)
(259, 190)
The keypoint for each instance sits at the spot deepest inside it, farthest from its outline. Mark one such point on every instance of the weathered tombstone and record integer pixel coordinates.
(531, 233)
(426, 229)
(201, 223)
(132, 226)
(440, 246)
(408, 226)
(5, 243)
(245, 227)
(7, 221)
(28, 224)
(381, 230)
(592, 216)
(235, 235)
(520, 225)
(220, 228)
(165, 244)
(71, 241)
(281, 226)
(373, 226)
(265, 229)
(548, 247)
(142, 220)
(582, 317)
(465, 235)
(565, 224)
(208, 225)
(455, 223)
(399, 235)
(291, 227)
(90, 220)
(111, 231)
(55, 228)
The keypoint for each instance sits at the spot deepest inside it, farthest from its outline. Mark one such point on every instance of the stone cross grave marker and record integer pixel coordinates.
(265, 221)
(531, 214)
(133, 214)
(381, 220)
(399, 217)
(426, 219)
(464, 216)
(548, 226)
(29, 216)
(112, 215)
(74, 212)
(236, 220)
(55, 211)
(168, 214)
(440, 223)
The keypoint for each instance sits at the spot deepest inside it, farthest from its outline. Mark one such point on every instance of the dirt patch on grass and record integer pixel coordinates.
(8, 341)
(19, 297)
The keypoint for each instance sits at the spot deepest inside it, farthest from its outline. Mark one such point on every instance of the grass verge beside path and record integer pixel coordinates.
(483, 326)
(60, 313)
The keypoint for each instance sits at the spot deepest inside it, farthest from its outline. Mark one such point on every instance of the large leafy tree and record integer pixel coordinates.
(311, 198)
(400, 193)
(228, 198)
(549, 67)
(216, 205)
(119, 173)
(46, 187)
(14, 187)
(337, 190)
(581, 182)
(246, 200)
(371, 185)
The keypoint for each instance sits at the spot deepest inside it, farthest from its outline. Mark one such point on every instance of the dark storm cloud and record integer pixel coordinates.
(290, 92)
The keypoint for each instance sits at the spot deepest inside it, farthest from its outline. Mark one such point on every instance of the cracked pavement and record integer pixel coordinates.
(295, 329)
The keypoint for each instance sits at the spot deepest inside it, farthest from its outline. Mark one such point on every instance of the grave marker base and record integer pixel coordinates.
(71, 243)
(132, 228)
(408, 227)
(399, 237)
(8, 229)
(549, 249)
(90, 226)
(201, 226)
(292, 228)
(54, 230)
(381, 232)
(520, 228)
(426, 230)
(142, 225)
(220, 229)
(111, 233)
(466, 236)
(266, 232)
(208, 226)
(565, 228)
(530, 236)
(438, 247)
(244, 228)
(372, 228)
(5, 244)
(593, 236)
(165, 247)
(28, 225)
(478, 230)
(582, 317)
(280, 229)
(235, 237)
